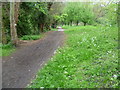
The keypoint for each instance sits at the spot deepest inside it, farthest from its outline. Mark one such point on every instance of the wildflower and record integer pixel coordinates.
(115, 76)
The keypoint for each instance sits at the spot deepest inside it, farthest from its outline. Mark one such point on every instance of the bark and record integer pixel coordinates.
(4, 39)
(3, 33)
(47, 25)
(42, 27)
(68, 23)
(0, 22)
(71, 23)
(49, 5)
(62, 23)
(14, 38)
(77, 23)
(85, 23)
(17, 6)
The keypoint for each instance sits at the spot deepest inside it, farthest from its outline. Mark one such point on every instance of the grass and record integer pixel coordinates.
(31, 37)
(54, 29)
(68, 26)
(88, 60)
(6, 50)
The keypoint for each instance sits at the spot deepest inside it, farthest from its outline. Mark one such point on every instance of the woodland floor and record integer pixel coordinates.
(22, 66)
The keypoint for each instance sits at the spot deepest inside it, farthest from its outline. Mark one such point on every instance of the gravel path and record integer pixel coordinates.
(21, 67)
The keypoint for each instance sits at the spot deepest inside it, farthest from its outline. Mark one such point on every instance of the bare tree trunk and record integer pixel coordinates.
(0, 22)
(85, 23)
(77, 23)
(14, 37)
(4, 39)
(71, 23)
(3, 34)
(17, 6)
(49, 8)
(42, 27)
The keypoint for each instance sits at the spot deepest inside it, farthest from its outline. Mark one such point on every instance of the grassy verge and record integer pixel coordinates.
(31, 37)
(6, 50)
(54, 29)
(89, 60)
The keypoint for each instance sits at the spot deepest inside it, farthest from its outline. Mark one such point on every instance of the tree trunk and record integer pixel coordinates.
(77, 23)
(68, 23)
(14, 37)
(17, 6)
(4, 39)
(62, 23)
(0, 22)
(42, 27)
(71, 23)
(85, 23)
(49, 5)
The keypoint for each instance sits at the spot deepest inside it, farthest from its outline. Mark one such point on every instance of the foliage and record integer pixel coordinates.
(31, 15)
(79, 12)
(111, 14)
(106, 14)
(88, 60)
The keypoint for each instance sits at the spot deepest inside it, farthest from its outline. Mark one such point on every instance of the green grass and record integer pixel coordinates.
(89, 59)
(68, 26)
(54, 29)
(6, 50)
(31, 37)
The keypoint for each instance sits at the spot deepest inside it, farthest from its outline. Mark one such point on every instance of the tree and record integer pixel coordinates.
(14, 9)
(0, 22)
(111, 13)
(105, 12)
(12, 23)
(79, 12)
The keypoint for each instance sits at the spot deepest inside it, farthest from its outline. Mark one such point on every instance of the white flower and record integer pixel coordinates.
(109, 51)
(115, 76)
(68, 76)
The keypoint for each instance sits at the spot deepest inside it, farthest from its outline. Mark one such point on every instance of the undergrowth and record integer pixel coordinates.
(6, 50)
(31, 37)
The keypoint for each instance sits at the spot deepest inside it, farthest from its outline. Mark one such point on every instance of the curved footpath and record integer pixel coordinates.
(21, 67)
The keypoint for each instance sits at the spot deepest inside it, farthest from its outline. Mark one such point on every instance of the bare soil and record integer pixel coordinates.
(21, 67)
